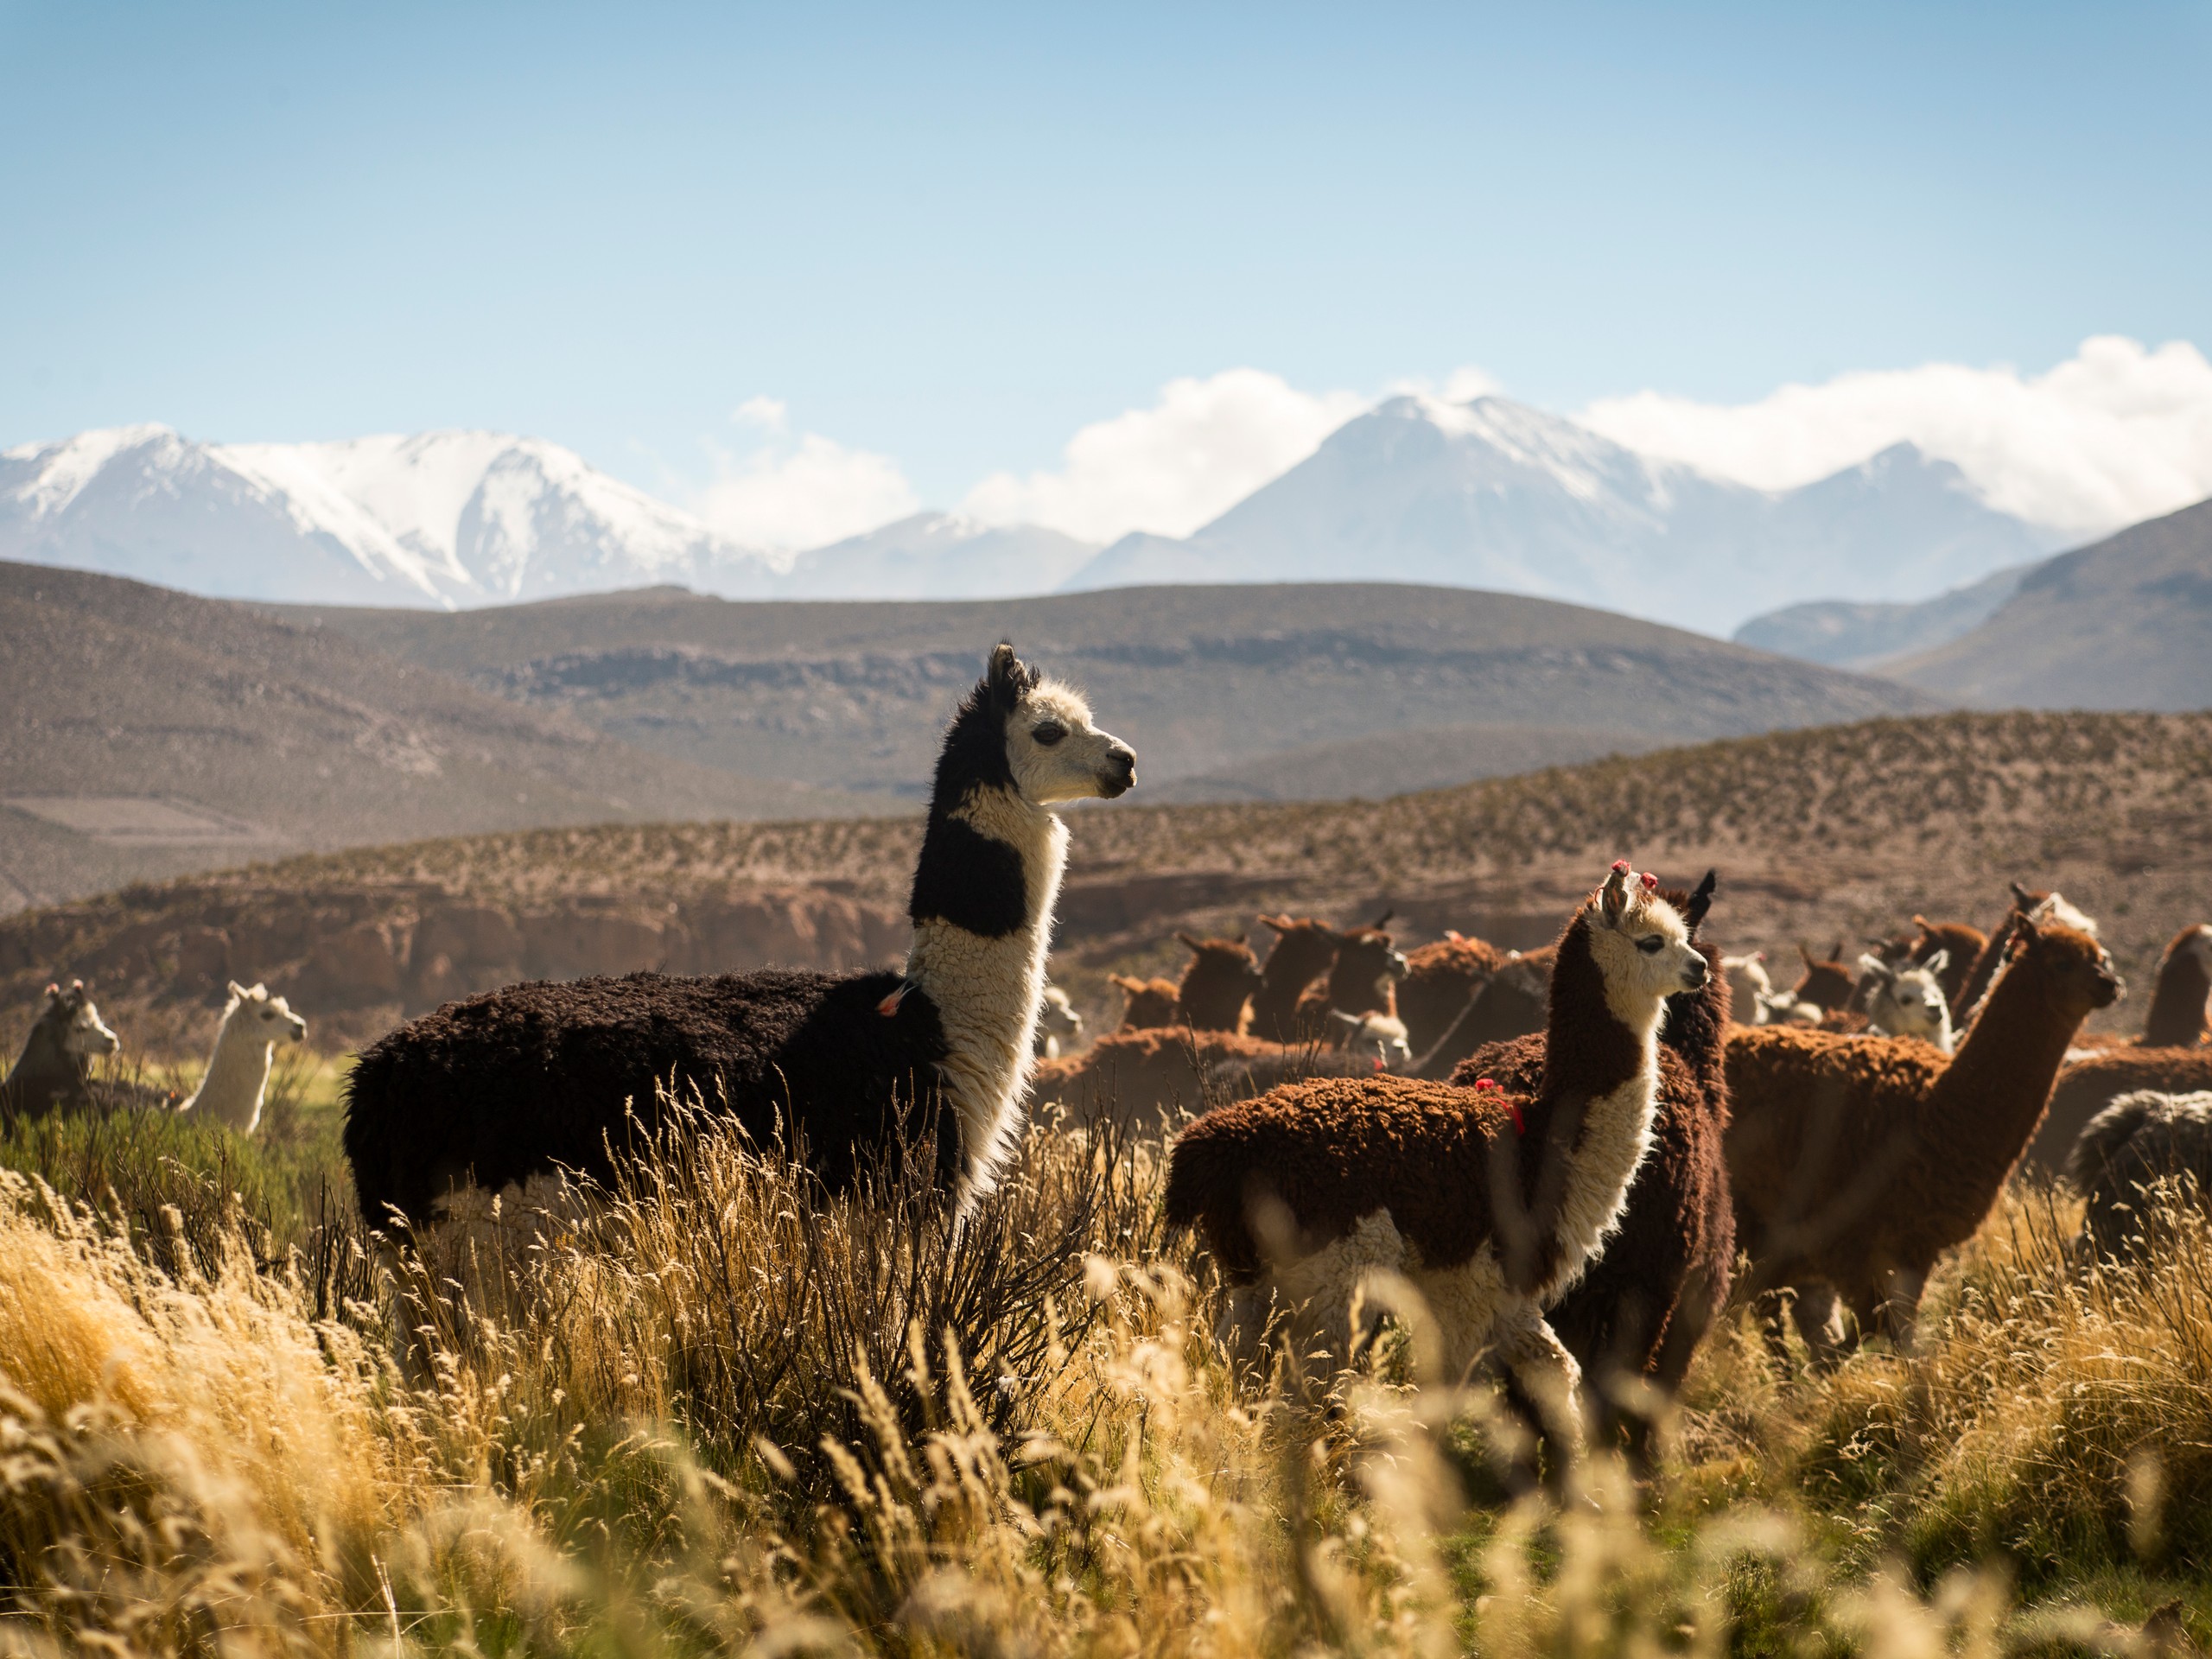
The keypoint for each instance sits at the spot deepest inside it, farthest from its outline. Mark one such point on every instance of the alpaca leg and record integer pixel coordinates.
(1829, 1338)
(1321, 1290)
(1899, 1309)
(1242, 1327)
(1545, 1370)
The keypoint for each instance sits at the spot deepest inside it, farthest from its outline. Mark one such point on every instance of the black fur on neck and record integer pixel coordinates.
(963, 876)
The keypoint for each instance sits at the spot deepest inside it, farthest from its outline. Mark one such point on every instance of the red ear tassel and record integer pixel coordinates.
(1650, 882)
(1485, 1083)
(1620, 867)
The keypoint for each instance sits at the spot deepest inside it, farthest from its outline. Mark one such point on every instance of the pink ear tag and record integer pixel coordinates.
(889, 1006)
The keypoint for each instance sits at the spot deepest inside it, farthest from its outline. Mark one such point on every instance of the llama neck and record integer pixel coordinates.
(1986, 1104)
(1985, 966)
(236, 1079)
(2177, 1016)
(47, 1067)
(984, 888)
(1283, 980)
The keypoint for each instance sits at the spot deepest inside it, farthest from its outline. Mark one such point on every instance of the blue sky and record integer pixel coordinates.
(953, 237)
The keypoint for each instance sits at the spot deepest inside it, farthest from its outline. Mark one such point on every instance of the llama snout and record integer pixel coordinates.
(1117, 773)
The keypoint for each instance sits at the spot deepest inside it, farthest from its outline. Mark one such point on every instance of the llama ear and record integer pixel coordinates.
(1938, 963)
(1274, 924)
(1190, 943)
(1613, 898)
(1010, 679)
(1870, 964)
(1383, 921)
(1700, 900)
(1805, 955)
(238, 991)
(54, 990)
(2022, 899)
(1342, 1017)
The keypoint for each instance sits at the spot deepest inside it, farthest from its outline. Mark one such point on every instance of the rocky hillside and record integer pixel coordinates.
(1818, 834)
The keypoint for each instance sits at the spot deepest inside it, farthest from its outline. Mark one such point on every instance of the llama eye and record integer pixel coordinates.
(1649, 944)
(1050, 733)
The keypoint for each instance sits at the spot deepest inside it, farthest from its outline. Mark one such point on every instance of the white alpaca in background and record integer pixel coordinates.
(254, 1022)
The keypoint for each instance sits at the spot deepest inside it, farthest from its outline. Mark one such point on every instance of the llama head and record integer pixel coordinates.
(1366, 956)
(252, 1010)
(2078, 969)
(84, 1035)
(1909, 1001)
(1025, 731)
(1379, 1037)
(1641, 945)
(1223, 960)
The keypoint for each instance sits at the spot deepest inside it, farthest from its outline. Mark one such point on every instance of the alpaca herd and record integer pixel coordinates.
(1574, 1158)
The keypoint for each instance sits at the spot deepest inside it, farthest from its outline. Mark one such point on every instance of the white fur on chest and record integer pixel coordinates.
(987, 991)
(1616, 1136)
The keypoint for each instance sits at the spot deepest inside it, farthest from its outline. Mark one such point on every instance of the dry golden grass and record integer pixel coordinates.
(707, 1414)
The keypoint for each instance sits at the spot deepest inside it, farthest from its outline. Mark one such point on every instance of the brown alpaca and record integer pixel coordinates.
(1489, 1203)
(1151, 1002)
(1440, 981)
(2043, 904)
(1645, 1303)
(1963, 946)
(1827, 983)
(1513, 1004)
(1856, 1161)
(2180, 1065)
(1363, 979)
(1138, 1077)
(1304, 948)
(1223, 976)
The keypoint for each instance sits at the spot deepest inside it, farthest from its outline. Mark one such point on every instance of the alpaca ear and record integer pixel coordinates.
(2022, 899)
(238, 991)
(1243, 937)
(1196, 946)
(1274, 924)
(1342, 1017)
(1936, 963)
(54, 990)
(1383, 921)
(1870, 964)
(1010, 679)
(1613, 898)
(1701, 900)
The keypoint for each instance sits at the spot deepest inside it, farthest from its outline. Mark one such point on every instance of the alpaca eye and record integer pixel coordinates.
(1050, 733)
(1649, 944)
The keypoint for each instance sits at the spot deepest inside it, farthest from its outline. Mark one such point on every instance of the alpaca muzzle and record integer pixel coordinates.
(1119, 775)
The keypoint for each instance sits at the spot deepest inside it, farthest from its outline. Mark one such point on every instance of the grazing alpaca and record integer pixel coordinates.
(1372, 1043)
(1908, 1003)
(1151, 1002)
(1441, 980)
(254, 1022)
(1489, 1202)
(1857, 1162)
(1513, 1004)
(1222, 977)
(1363, 978)
(1058, 1024)
(2182, 1066)
(54, 1072)
(1644, 1304)
(506, 1085)
(2135, 1142)
(1961, 947)
(1304, 949)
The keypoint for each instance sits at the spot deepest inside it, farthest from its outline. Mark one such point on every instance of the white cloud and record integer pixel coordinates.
(2115, 434)
(790, 493)
(1201, 448)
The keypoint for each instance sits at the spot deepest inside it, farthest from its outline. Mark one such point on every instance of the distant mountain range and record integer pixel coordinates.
(1845, 634)
(1488, 494)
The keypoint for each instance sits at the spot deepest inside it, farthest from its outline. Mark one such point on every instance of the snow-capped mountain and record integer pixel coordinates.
(1491, 493)
(939, 556)
(452, 519)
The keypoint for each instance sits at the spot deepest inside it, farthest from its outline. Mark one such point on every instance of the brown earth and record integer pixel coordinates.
(1835, 832)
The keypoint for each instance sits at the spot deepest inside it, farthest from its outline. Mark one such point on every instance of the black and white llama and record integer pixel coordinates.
(54, 1072)
(510, 1084)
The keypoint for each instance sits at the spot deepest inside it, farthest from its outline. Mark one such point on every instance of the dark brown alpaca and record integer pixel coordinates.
(1490, 1202)
(1362, 979)
(1645, 1303)
(1828, 983)
(1963, 946)
(1223, 976)
(2179, 1064)
(1304, 949)
(1440, 981)
(1857, 1162)
(1513, 1004)
(1151, 1002)
(2045, 905)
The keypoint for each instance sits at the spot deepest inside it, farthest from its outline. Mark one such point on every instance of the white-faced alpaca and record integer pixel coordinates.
(1908, 1003)
(856, 1068)
(1059, 1026)
(254, 1022)
(54, 1072)
(1490, 1204)
(1749, 986)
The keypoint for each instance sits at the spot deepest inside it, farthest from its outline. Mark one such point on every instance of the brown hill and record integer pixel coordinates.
(1838, 832)
(150, 733)
(2125, 622)
(1203, 681)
